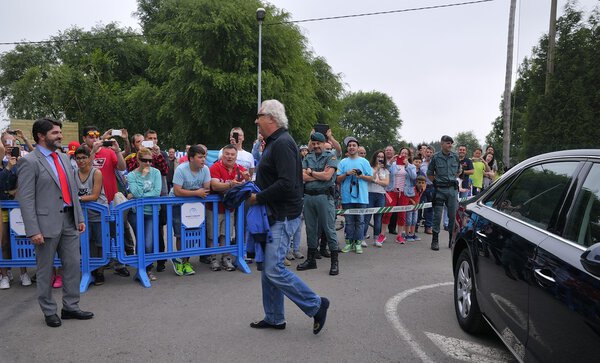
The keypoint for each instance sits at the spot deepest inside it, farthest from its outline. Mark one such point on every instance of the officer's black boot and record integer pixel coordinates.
(310, 263)
(323, 250)
(435, 243)
(449, 239)
(335, 268)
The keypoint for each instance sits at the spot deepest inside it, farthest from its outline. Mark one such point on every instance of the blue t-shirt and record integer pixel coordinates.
(188, 180)
(360, 194)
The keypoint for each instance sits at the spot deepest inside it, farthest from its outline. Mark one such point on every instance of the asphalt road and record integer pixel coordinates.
(390, 304)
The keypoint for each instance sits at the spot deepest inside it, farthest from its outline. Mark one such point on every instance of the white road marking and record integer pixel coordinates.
(468, 351)
(390, 312)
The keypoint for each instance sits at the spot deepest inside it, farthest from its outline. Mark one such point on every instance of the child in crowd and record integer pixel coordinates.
(411, 217)
(90, 189)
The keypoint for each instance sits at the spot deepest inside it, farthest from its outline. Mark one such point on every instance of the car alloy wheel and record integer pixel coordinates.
(465, 298)
(464, 285)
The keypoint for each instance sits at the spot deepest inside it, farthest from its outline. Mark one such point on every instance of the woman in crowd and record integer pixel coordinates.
(398, 196)
(377, 193)
(490, 175)
(144, 182)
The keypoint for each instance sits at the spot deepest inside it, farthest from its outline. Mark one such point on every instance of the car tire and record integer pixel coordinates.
(465, 298)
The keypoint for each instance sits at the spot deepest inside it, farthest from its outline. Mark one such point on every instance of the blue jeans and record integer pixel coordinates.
(355, 224)
(411, 218)
(148, 243)
(297, 237)
(375, 200)
(278, 281)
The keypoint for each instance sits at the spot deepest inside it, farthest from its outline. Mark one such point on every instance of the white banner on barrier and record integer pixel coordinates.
(192, 214)
(16, 222)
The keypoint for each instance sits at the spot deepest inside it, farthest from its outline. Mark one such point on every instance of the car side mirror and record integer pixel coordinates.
(590, 259)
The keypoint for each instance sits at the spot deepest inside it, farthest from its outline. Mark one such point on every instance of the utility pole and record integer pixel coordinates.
(551, 45)
(507, 85)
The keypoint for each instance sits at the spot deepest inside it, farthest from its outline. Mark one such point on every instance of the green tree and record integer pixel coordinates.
(87, 81)
(468, 139)
(203, 64)
(191, 75)
(372, 117)
(566, 116)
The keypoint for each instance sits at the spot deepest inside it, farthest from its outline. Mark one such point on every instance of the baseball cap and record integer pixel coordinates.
(349, 139)
(73, 145)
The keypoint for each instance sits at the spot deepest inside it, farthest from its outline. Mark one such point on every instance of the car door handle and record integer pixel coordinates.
(542, 277)
(481, 234)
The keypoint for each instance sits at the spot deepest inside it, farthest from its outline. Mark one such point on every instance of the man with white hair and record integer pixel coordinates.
(279, 176)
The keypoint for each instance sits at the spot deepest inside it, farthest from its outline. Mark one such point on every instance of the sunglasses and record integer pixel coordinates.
(146, 160)
(93, 134)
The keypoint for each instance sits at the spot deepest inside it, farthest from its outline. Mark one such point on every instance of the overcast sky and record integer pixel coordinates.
(444, 68)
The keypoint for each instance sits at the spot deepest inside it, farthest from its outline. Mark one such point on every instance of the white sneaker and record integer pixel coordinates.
(364, 244)
(4, 283)
(378, 244)
(25, 280)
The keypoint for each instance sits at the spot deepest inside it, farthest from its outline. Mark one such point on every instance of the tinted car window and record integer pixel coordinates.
(583, 224)
(537, 191)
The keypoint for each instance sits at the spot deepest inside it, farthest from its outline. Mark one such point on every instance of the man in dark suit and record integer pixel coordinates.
(47, 194)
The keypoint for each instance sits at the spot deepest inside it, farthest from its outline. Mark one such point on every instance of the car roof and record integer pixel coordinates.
(579, 154)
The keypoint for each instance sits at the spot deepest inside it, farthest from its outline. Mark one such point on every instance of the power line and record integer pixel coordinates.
(124, 36)
(381, 12)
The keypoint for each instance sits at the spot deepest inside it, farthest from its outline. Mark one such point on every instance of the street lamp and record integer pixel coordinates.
(260, 16)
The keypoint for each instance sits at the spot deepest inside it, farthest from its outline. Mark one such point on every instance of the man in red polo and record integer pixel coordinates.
(225, 174)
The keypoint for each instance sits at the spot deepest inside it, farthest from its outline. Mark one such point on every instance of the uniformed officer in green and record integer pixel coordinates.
(319, 168)
(443, 170)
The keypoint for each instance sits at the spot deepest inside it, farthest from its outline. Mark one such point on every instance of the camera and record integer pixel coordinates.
(107, 143)
(236, 137)
(12, 132)
(358, 172)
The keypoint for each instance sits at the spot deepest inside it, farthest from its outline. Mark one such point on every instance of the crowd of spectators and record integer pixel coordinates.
(361, 178)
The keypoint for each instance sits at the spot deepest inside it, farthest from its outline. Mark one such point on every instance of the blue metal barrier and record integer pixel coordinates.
(193, 239)
(23, 252)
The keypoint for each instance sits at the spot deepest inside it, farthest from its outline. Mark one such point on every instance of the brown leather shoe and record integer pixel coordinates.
(428, 230)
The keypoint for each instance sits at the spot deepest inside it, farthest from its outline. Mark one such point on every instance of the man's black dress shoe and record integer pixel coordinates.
(123, 272)
(264, 325)
(53, 321)
(76, 314)
(321, 316)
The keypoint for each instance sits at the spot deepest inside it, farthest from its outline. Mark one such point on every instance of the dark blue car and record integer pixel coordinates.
(526, 259)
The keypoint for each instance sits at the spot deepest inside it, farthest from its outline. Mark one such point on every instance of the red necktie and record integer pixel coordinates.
(62, 178)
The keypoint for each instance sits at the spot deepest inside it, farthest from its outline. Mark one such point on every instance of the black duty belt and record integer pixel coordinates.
(452, 184)
(317, 192)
